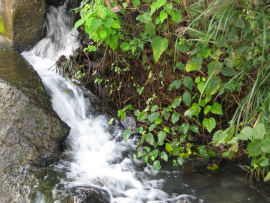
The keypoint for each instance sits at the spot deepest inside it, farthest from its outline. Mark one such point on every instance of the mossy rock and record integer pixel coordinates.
(30, 131)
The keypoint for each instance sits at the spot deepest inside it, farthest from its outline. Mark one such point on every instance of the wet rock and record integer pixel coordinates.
(4, 44)
(21, 22)
(30, 131)
(87, 194)
(55, 3)
(129, 122)
(194, 165)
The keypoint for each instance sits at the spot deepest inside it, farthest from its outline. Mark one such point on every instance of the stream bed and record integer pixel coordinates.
(97, 165)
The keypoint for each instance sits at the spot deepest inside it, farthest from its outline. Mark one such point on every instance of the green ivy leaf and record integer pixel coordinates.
(190, 66)
(175, 85)
(184, 128)
(126, 134)
(193, 111)
(207, 110)
(175, 117)
(202, 150)
(153, 155)
(124, 46)
(153, 116)
(180, 160)
(194, 64)
(187, 98)
(188, 82)
(163, 15)
(137, 113)
(154, 108)
(128, 107)
(176, 102)
(159, 143)
(204, 53)
(214, 83)
(163, 156)
(209, 124)
(78, 23)
(158, 121)
(167, 129)
(159, 45)
(194, 129)
(116, 24)
(140, 130)
(181, 66)
(123, 116)
(169, 147)
(120, 112)
(166, 114)
(147, 148)
(145, 159)
(198, 79)
(108, 22)
(137, 2)
(141, 115)
(177, 16)
(216, 109)
(152, 127)
(139, 155)
(150, 138)
(161, 136)
(175, 163)
(160, 3)
(200, 86)
(156, 165)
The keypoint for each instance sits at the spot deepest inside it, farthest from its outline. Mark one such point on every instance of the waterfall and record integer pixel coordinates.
(100, 158)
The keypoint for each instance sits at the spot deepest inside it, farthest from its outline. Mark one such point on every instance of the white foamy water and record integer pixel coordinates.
(98, 158)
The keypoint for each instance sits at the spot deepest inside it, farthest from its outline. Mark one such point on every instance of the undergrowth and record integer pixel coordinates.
(194, 73)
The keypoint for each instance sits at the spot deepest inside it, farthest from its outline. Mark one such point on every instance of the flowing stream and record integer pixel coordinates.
(97, 157)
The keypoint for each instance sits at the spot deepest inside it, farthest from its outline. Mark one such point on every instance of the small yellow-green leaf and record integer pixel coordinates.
(163, 15)
(159, 45)
(217, 108)
(209, 124)
(167, 129)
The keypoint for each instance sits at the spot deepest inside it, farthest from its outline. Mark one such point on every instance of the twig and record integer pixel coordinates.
(89, 66)
(52, 66)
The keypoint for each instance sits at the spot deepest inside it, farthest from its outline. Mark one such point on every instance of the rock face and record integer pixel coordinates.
(30, 131)
(55, 3)
(22, 22)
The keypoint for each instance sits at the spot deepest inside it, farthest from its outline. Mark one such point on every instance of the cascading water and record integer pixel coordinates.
(97, 154)
(98, 160)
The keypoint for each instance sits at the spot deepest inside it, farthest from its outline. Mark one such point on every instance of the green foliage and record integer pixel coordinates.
(223, 51)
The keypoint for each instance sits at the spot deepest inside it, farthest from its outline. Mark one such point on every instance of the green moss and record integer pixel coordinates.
(2, 26)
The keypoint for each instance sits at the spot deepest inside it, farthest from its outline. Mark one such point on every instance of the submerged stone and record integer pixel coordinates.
(87, 194)
(31, 133)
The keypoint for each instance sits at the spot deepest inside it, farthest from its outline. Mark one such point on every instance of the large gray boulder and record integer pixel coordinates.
(22, 22)
(30, 131)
